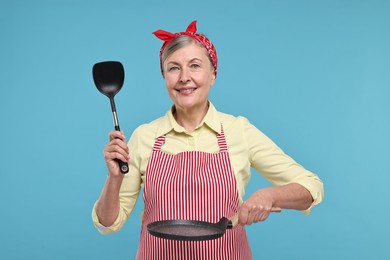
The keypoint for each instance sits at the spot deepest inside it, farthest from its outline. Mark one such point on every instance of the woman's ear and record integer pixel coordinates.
(214, 76)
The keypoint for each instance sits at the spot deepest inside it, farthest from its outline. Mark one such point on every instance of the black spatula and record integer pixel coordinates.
(109, 77)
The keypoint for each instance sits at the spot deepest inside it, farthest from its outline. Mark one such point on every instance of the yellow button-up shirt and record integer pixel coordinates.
(248, 147)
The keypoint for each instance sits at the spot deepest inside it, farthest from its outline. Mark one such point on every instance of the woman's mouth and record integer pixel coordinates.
(186, 91)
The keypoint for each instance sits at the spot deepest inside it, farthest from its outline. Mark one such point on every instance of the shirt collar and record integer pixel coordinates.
(169, 123)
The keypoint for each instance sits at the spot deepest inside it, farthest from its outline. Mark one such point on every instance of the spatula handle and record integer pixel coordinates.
(124, 167)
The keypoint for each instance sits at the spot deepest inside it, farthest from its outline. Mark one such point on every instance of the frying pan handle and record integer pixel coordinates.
(233, 222)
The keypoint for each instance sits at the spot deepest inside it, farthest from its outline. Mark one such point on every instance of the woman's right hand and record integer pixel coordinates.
(116, 149)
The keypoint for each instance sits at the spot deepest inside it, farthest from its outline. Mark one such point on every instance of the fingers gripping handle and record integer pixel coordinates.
(124, 167)
(233, 222)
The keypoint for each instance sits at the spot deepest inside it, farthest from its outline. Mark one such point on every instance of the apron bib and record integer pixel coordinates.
(191, 185)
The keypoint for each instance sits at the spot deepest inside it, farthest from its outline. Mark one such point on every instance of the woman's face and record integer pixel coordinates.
(189, 76)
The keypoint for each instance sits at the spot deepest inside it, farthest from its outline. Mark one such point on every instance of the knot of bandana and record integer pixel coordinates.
(167, 37)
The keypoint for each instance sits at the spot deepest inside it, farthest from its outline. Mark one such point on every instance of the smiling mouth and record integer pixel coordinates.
(186, 91)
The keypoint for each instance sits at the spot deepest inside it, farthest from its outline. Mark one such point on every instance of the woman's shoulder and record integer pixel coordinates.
(238, 125)
(150, 127)
(229, 120)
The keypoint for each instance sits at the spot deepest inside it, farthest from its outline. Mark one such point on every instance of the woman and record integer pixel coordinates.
(194, 163)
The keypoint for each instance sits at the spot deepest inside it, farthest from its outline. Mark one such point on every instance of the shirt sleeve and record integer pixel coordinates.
(277, 167)
(129, 191)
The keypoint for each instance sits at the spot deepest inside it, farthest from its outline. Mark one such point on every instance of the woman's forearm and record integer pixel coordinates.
(290, 196)
(107, 208)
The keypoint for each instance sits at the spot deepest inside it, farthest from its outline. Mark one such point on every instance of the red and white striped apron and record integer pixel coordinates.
(191, 185)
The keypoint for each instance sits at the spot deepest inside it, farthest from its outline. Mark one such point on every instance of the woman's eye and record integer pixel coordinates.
(173, 68)
(195, 66)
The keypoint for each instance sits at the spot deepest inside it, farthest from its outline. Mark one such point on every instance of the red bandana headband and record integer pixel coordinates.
(167, 37)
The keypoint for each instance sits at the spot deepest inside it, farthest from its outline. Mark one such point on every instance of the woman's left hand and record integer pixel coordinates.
(256, 208)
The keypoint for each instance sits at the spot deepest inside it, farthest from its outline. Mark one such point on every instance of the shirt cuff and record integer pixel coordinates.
(317, 194)
(115, 227)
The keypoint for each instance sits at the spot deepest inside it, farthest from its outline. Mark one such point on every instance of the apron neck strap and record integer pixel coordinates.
(220, 137)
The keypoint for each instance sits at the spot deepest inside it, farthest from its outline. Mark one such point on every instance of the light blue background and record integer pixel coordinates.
(312, 75)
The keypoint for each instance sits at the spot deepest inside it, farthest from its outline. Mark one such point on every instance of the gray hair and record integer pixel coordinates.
(178, 43)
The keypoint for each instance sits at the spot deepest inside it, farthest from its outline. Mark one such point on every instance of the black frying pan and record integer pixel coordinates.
(109, 77)
(193, 230)
(189, 230)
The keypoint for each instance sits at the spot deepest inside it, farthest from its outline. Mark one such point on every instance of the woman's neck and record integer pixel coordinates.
(190, 118)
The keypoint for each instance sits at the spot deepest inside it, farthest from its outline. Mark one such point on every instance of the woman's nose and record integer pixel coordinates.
(184, 75)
